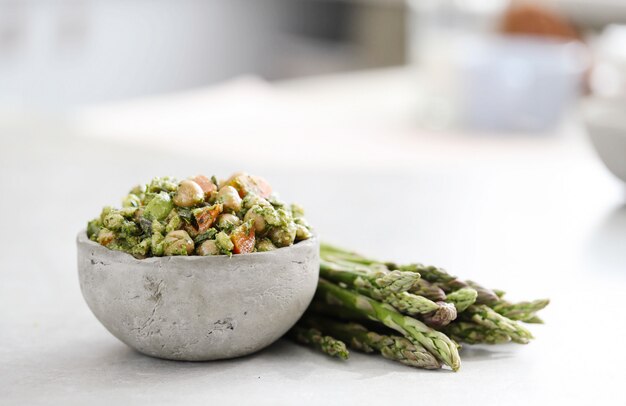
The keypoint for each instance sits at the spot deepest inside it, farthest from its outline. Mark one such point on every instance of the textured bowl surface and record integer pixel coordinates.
(198, 308)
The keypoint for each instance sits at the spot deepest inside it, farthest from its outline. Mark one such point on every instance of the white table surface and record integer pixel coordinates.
(537, 216)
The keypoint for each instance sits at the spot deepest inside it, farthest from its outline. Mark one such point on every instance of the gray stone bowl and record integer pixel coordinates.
(198, 308)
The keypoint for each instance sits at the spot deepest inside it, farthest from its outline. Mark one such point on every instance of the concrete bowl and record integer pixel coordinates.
(198, 308)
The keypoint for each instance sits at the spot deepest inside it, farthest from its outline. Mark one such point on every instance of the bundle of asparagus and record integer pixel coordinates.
(414, 314)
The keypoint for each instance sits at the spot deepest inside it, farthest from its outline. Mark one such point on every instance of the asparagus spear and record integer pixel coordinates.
(499, 292)
(431, 277)
(485, 295)
(442, 316)
(462, 298)
(522, 311)
(435, 342)
(314, 338)
(431, 273)
(387, 282)
(490, 311)
(487, 317)
(391, 347)
(473, 333)
(424, 288)
(368, 284)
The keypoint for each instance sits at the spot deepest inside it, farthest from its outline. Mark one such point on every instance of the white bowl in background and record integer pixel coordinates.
(519, 83)
(605, 120)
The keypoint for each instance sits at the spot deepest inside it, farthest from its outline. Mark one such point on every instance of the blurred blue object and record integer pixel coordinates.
(517, 83)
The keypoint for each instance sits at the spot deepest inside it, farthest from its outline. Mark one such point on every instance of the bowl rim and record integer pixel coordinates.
(82, 239)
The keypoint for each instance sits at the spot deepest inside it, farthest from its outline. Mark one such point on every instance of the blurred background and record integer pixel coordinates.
(512, 65)
(485, 136)
(62, 53)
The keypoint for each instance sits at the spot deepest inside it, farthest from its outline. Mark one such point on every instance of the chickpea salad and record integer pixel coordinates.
(200, 216)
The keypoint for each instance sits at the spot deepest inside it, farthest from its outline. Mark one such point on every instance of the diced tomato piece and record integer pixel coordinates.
(206, 216)
(243, 239)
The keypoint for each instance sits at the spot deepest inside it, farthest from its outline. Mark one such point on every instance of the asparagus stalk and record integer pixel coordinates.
(522, 311)
(499, 292)
(435, 342)
(449, 283)
(487, 317)
(314, 338)
(534, 320)
(424, 288)
(485, 295)
(442, 316)
(410, 304)
(432, 277)
(462, 298)
(386, 282)
(369, 285)
(473, 333)
(360, 338)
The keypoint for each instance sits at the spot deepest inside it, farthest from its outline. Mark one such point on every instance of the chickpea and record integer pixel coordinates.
(177, 242)
(141, 249)
(276, 202)
(208, 247)
(253, 200)
(105, 237)
(128, 212)
(301, 221)
(130, 228)
(113, 221)
(265, 245)
(230, 198)
(228, 220)
(189, 194)
(284, 236)
(302, 233)
(255, 214)
(272, 216)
